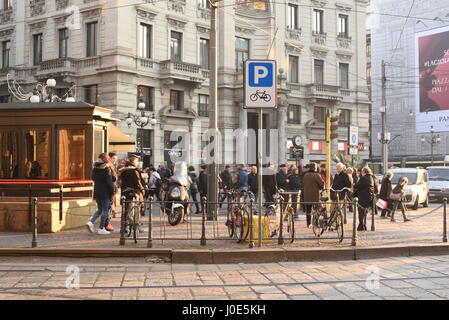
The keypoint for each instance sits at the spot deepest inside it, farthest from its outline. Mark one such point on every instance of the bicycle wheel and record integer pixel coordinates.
(289, 228)
(318, 222)
(130, 220)
(238, 227)
(339, 225)
(270, 212)
(230, 222)
(245, 216)
(136, 222)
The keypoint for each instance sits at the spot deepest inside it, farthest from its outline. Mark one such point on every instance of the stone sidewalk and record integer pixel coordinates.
(426, 227)
(403, 278)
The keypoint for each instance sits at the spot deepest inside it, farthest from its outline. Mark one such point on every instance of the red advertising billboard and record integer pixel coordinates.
(432, 94)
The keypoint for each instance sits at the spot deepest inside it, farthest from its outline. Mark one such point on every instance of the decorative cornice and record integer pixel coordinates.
(344, 55)
(37, 8)
(319, 3)
(343, 6)
(178, 6)
(202, 29)
(318, 52)
(240, 29)
(6, 16)
(61, 19)
(39, 25)
(344, 43)
(293, 49)
(145, 14)
(6, 32)
(176, 23)
(203, 13)
(62, 4)
(91, 13)
(294, 34)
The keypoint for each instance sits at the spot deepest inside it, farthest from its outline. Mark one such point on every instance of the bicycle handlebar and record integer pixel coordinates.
(341, 190)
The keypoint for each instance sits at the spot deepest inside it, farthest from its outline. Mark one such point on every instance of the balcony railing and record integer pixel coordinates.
(86, 63)
(6, 16)
(181, 70)
(324, 91)
(145, 64)
(57, 65)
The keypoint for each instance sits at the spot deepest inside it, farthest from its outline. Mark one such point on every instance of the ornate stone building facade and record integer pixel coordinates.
(119, 51)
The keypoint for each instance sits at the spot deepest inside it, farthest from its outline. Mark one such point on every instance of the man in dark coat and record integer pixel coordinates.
(313, 184)
(385, 190)
(269, 184)
(202, 182)
(226, 182)
(282, 177)
(103, 192)
(365, 190)
(253, 183)
(341, 181)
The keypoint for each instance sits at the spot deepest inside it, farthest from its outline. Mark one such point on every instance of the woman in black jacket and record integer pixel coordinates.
(365, 189)
(384, 194)
(399, 190)
(295, 185)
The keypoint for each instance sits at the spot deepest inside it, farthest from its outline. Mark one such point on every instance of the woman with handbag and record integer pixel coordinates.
(385, 190)
(398, 197)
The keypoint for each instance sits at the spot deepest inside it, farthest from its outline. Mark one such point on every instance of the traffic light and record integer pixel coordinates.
(334, 127)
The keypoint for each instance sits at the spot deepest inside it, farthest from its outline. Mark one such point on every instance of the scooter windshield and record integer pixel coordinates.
(180, 174)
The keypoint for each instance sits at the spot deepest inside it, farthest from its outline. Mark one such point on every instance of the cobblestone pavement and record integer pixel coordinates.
(426, 227)
(137, 279)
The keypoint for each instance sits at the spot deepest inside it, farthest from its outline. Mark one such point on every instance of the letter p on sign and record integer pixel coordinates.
(260, 83)
(260, 74)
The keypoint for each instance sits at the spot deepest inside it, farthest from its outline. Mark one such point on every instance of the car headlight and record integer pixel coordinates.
(175, 192)
(445, 190)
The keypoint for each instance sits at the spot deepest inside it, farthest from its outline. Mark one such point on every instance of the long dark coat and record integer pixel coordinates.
(385, 189)
(312, 186)
(365, 189)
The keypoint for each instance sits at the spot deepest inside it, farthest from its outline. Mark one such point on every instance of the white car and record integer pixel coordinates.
(417, 189)
(438, 182)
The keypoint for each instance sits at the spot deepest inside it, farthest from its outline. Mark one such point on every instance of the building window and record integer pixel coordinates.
(91, 94)
(146, 138)
(6, 48)
(318, 21)
(63, 42)
(7, 4)
(368, 45)
(203, 105)
(241, 53)
(177, 99)
(294, 114)
(72, 146)
(146, 34)
(204, 53)
(319, 71)
(343, 26)
(293, 16)
(146, 94)
(176, 46)
(37, 48)
(92, 39)
(319, 114)
(345, 117)
(293, 69)
(204, 4)
(344, 75)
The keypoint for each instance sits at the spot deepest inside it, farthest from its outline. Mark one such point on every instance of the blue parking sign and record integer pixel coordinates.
(260, 74)
(260, 83)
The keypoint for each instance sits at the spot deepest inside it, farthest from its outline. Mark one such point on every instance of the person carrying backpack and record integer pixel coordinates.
(154, 184)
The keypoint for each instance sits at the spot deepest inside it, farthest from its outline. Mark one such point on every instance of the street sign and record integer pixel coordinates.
(297, 152)
(353, 136)
(353, 150)
(260, 83)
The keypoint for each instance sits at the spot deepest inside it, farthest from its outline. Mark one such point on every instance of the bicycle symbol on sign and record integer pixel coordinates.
(260, 95)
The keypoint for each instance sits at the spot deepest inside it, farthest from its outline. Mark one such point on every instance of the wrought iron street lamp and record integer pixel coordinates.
(434, 140)
(141, 120)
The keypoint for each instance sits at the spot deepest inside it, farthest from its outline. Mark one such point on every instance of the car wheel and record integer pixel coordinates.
(416, 204)
(426, 203)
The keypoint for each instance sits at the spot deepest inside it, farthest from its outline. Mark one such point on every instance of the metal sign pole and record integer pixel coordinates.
(259, 173)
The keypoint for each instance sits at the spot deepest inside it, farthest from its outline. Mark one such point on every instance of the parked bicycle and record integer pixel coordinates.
(321, 221)
(237, 213)
(282, 200)
(133, 209)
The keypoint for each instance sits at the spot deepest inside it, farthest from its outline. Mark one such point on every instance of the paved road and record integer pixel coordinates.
(123, 278)
(425, 228)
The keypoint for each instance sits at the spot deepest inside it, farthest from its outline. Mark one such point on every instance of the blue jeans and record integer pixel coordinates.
(103, 209)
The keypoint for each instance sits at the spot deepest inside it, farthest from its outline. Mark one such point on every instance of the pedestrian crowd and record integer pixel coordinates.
(305, 183)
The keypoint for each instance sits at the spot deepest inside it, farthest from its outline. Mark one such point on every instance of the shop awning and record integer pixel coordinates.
(118, 141)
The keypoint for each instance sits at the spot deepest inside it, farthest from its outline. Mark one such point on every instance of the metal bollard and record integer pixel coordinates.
(61, 203)
(122, 220)
(203, 226)
(373, 227)
(150, 223)
(445, 220)
(250, 222)
(354, 222)
(35, 223)
(281, 222)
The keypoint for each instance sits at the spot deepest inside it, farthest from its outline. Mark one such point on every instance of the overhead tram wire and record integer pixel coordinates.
(402, 31)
